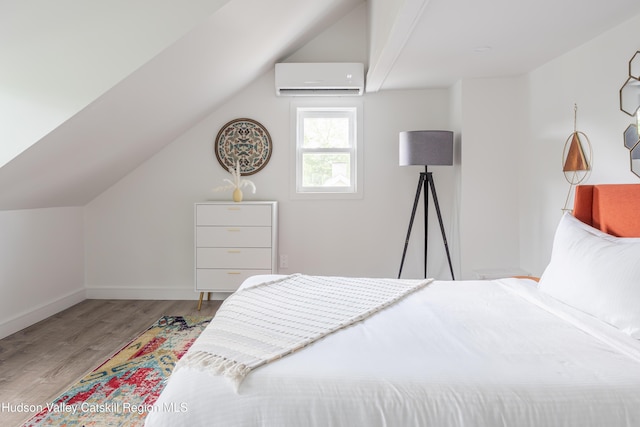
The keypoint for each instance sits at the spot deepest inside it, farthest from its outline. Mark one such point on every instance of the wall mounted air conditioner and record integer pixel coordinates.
(319, 79)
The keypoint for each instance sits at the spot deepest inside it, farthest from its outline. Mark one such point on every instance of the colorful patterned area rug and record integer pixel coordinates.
(121, 391)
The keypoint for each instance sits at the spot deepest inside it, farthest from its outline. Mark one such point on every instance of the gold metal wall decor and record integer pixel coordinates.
(576, 162)
(630, 105)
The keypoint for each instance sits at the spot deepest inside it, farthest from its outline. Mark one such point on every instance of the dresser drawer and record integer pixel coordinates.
(242, 258)
(233, 237)
(233, 241)
(236, 214)
(223, 280)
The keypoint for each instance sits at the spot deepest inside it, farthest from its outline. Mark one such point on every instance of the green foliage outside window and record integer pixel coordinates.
(324, 168)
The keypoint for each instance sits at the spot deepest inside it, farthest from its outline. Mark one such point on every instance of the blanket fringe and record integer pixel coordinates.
(262, 323)
(215, 364)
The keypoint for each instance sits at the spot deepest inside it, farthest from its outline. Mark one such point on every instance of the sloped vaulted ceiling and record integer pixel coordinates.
(149, 108)
(434, 43)
(58, 56)
(142, 72)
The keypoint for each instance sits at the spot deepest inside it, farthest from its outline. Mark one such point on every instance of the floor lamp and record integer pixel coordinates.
(424, 148)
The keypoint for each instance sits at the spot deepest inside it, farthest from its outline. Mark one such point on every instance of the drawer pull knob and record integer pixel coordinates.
(233, 229)
(233, 252)
(233, 272)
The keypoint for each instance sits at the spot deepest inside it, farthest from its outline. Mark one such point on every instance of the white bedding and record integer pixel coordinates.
(261, 324)
(466, 353)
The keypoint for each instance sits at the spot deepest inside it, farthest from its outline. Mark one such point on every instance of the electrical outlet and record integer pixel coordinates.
(284, 261)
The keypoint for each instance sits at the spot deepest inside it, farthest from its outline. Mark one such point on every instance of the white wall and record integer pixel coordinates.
(345, 41)
(139, 233)
(491, 127)
(41, 265)
(500, 207)
(591, 77)
(455, 124)
(501, 202)
(513, 133)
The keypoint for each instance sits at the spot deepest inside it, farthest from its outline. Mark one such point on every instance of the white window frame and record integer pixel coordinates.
(320, 108)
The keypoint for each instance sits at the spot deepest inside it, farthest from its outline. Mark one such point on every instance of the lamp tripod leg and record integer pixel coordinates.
(413, 215)
(426, 220)
(444, 236)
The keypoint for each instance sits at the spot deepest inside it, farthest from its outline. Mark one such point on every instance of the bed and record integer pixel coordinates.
(509, 352)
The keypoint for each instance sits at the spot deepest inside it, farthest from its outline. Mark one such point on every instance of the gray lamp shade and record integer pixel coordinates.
(426, 147)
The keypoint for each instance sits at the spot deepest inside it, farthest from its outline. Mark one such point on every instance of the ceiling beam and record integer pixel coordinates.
(401, 26)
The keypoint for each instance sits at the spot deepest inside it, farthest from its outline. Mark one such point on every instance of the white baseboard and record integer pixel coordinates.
(149, 294)
(40, 312)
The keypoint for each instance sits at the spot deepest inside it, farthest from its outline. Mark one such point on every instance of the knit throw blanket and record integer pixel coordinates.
(263, 323)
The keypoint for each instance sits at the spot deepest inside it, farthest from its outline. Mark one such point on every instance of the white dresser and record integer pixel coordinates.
(232, 242)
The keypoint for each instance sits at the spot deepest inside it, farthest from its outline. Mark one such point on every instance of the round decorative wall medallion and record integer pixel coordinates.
(246, 141)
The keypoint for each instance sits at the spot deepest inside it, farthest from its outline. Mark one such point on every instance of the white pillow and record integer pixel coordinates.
(596, 273)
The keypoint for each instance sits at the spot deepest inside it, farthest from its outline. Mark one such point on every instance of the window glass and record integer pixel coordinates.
(326, 150)
(326, 170)
(323, 132)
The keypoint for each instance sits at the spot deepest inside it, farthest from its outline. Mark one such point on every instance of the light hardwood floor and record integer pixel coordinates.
(41, 361)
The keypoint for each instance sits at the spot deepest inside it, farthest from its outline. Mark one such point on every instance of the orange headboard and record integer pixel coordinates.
(612, 208)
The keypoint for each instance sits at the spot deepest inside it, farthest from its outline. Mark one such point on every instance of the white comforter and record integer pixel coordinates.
(467, 353)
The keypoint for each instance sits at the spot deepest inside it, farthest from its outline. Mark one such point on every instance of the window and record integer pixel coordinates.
(327, 153)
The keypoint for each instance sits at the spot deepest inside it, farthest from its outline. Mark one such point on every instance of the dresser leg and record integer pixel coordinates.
(208, 296)
(200, 300)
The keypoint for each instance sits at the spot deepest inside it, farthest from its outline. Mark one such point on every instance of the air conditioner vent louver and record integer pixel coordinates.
(319, 79)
